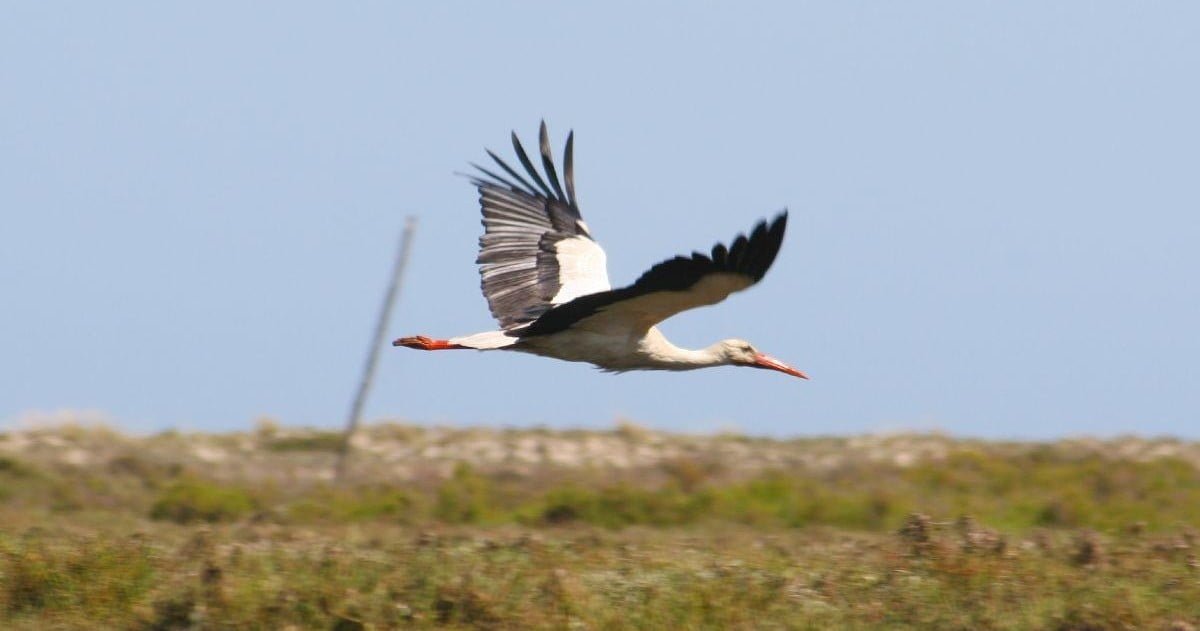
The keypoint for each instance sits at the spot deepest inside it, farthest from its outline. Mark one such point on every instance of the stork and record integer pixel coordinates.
(545, 280)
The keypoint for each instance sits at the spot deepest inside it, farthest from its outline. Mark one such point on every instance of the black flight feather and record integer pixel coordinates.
(509, 170)
(524, 158)
(548, 161)
(476, 181)
(749, 256)
(569, 169)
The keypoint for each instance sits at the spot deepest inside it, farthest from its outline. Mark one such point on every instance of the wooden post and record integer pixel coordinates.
(377, 341)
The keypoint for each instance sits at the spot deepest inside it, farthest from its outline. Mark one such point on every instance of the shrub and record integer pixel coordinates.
(191, 500)
(465, 498)
(356, 504)
(314, 441)
(622, 505)
(14, 468)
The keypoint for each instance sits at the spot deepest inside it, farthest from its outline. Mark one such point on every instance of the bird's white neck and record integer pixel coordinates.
(658, 350)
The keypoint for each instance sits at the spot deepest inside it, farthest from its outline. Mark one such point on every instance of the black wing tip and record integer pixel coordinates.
(752, 254)
(776, 223)
(529, 168)
(780, 221)
(767, 241)
(569, 168)
(548, 162)
(774, 226)
(544, 130)
(547, 187)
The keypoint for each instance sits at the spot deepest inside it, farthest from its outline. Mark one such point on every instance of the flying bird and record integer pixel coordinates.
(545, 280)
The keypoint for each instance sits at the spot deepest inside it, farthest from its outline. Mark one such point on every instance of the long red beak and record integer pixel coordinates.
(766, 361)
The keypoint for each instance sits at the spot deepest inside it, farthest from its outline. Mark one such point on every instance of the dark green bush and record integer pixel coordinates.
(466, 498)
(192, 500)
(356, 504)
(315, 441)
(14, 468)
(620, 505)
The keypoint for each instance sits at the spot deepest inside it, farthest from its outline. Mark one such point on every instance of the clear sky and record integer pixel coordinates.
(995, 208)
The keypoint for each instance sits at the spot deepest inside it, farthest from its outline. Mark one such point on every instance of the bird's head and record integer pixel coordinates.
(741, 353)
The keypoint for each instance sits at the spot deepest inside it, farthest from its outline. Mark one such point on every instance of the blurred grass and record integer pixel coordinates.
(157, 533)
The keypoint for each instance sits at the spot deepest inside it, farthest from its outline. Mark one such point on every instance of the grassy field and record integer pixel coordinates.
(621, 529)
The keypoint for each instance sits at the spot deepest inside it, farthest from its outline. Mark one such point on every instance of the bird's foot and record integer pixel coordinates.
(423, 343)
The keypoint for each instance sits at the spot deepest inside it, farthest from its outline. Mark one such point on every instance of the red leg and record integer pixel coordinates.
(423, 343)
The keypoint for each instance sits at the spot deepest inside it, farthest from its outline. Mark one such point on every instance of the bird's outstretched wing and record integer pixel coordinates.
(535, 252)
(675, 285)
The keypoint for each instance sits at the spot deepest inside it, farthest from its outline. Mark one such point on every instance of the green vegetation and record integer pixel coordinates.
(145, 533)
(316, 441)
(190, 500)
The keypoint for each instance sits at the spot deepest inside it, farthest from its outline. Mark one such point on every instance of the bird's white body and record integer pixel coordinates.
(620, 337)
(619, 351)
(546, 281)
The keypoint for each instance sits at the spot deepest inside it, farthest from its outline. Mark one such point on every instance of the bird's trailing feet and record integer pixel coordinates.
(420, 342)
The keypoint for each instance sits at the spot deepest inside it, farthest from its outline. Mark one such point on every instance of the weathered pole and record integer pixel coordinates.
(377, 341)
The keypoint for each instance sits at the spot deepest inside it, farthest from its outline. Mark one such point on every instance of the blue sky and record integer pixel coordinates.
(994, 208)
